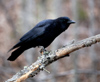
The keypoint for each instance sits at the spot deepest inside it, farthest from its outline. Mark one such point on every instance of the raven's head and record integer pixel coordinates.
(64, 22)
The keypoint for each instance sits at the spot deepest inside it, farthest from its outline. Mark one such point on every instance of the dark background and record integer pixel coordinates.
(19, 16)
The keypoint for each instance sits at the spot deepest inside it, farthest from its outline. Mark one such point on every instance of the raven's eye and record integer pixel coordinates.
(64, 20)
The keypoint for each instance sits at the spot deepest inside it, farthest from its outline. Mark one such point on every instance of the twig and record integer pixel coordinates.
(50, 57)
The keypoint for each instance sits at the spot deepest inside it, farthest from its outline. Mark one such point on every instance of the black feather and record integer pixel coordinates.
(41, 35)
(16, 53)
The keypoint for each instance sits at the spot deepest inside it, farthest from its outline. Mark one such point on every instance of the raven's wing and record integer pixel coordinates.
(37, 30)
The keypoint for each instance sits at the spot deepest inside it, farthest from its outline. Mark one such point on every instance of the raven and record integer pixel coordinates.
(41, 35)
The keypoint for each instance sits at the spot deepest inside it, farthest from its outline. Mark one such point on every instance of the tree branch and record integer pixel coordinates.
(49, 57)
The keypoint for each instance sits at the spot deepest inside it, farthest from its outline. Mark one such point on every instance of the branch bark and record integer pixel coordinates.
(50, 57)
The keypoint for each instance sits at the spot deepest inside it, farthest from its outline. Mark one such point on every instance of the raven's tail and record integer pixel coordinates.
(15, 46)
(16, 53)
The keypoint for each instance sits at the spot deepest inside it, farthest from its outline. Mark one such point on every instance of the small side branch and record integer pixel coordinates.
(49, 57)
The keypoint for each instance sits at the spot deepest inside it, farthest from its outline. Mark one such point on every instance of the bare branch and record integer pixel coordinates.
(49, 57)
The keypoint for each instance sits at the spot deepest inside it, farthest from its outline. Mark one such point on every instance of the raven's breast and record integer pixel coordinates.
(47, 38)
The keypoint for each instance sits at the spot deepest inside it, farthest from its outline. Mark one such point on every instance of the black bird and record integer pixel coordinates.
(41, 35)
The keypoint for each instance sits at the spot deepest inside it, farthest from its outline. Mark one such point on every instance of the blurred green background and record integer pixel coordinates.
(18, 16)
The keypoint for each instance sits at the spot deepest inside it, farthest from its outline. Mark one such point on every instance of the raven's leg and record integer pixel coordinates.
(43, 50)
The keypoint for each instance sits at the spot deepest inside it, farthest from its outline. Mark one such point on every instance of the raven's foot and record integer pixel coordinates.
(43, 50)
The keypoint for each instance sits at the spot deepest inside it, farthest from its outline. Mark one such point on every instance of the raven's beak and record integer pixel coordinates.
(71, 21)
